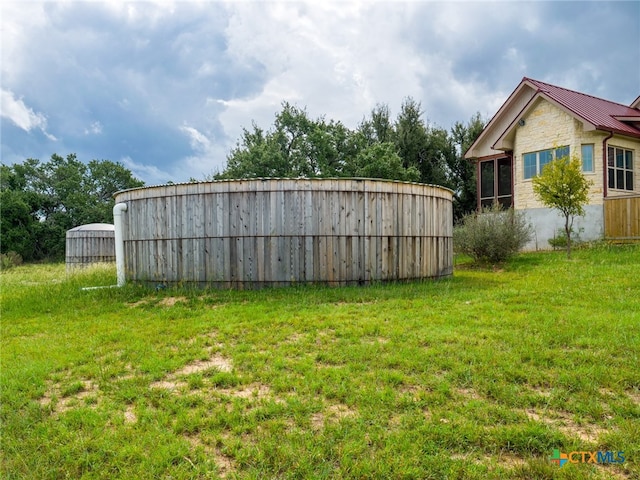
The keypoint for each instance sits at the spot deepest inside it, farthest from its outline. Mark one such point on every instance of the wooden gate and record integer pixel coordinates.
(622, 218)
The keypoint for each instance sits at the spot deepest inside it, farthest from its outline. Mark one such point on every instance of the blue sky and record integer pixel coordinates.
(166, 87)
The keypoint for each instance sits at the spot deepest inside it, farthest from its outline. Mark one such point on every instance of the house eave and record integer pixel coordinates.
(634, 119)
(491, 124)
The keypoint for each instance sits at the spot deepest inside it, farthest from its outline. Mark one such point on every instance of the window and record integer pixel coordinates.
(587, 158)
(620, 168)
(496, 182)
(534, 162)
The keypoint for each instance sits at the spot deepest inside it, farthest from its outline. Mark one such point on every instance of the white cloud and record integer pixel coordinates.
(199, 141)
(21, 115)
(94, 129)
(151, 174)
(209, 156)
(337, 60)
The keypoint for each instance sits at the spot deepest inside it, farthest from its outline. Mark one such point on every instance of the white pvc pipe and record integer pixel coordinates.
(118, 211)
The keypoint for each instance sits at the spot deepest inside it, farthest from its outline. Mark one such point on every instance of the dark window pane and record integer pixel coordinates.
(486, 179)
(619, 158)
(487, 202)
(619, 179)
(506, 202)
(612, 178)
(629, 184)
(504, 176)
(610, 156)
(628, 163)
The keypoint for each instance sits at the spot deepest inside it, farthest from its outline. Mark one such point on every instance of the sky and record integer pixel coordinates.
(165, 88)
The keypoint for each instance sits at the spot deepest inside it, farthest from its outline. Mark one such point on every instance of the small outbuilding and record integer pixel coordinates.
(90, 244)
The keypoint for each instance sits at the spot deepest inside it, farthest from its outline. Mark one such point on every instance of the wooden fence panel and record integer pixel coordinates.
(622, 218)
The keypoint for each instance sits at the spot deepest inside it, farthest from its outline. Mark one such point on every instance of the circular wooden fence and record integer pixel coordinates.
(276, 232)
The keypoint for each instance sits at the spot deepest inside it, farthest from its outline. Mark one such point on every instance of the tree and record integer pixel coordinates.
(298, 146)
(41, 201)
(419, 146)
(462, 172)
(562, 186)
(380, 160)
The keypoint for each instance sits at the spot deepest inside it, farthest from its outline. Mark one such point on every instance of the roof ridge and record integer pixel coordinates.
(579, 93)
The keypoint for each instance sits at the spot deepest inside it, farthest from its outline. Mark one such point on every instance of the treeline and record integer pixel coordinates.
(40, 201)
(405, 148)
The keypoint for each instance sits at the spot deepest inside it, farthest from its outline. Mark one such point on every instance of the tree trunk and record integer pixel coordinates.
(567, 230)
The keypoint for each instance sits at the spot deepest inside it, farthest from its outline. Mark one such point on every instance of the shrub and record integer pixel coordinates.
(559, 240)
(493, 235)
(9, 260)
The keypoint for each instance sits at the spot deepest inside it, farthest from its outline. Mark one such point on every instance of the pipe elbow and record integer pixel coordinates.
(119, 208)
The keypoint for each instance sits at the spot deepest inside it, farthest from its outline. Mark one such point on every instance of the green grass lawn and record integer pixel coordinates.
(479, 376)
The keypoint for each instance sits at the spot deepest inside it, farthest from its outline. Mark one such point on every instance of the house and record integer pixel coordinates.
(540, 122)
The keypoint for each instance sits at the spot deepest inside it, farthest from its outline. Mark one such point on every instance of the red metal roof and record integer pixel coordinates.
(597, 111)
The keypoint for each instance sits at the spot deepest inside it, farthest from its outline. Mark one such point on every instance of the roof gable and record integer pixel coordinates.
(594, 113)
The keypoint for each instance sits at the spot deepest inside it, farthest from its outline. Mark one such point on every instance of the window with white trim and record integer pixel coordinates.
(534, 162)
(587, 158)
(620, 168)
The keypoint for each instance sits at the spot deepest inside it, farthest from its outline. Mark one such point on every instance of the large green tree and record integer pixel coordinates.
(39, 201)
(421, 146)
(298, 146)
(462, 172)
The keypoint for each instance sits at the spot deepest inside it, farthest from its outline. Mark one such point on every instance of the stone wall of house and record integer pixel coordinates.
(547, 126)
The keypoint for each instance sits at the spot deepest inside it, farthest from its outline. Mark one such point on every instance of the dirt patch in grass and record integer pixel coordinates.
(412, 391)
(507, 460)
(63, 398)
(469, 393)
(565, 423)
(332, 414)
(326, 336)
(295, 338)
(130, 416)
(171, 301)
(168, 384)
(224, 463)
(375, 340)
(255, 390)
(634, 396)
(217, 361)
(542, 391)
(504, 460)
(173, 381)
(613, 472)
